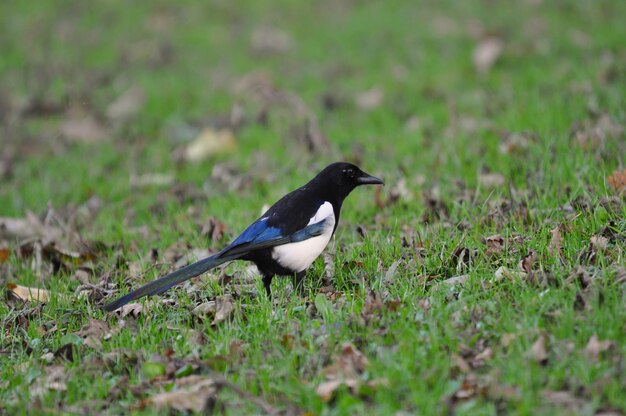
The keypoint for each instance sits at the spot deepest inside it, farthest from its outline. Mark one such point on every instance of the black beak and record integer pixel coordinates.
(367, 179)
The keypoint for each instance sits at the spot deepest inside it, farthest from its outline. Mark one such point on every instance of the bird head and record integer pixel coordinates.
(341, 178)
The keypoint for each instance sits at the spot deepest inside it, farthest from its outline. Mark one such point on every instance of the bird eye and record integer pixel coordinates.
(349, 172)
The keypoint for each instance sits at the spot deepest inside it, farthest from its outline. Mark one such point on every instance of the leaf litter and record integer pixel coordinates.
(348, 370)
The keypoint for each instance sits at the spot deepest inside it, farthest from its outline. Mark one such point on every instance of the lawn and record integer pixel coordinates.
(486, 277)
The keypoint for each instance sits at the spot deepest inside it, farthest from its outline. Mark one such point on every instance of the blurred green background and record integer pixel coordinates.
(484, 117)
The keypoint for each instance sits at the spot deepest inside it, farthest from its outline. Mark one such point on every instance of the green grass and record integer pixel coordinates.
(562, 68)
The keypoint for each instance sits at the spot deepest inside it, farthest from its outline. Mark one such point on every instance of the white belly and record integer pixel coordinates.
(299, 256)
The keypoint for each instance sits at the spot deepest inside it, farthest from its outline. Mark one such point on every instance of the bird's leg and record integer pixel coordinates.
(267, 282)
(298, 282)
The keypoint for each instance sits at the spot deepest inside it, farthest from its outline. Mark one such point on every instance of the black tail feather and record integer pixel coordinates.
(166, 282)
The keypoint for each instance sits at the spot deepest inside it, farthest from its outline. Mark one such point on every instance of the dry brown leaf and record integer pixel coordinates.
(222, 308)
(527, 262)
(468, 389)
(461, 363)
(556, 242)
(126, 105)
(213, 229)
(486, 53)
(599, 243)
(594, 132)
(5, 253)
(617, 180)
(151, 179)
(54, 378)
(370, 99)
(205, 308)
(538, 351)
(484, 355)
(491, 179)
(270, 40)
(28, 294)
(456, 280)
(608, 412)
(210, 142)
(194, 395)
(134, 309)
(351, 359)
(84, 130)
(327, 389)
(93, 332)
(28, 227)
(595, 347)
(514, 143)
(495, 245)
(225, 307)
(563, 399)
(347, 371)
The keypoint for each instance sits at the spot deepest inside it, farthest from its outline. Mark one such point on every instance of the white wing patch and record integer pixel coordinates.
(299, 256)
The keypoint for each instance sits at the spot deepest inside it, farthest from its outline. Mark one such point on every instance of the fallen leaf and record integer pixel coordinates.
(495, 245)
(30, 227)
(134, 309)
(47, 357)
(213, 229)
(84, 130)
(308, 133)
(326, 389)
(205, 308)
(151, 179)
(593, 133)
(225, 307)
(486, 53)
(351, 360)
(461, 363)
(222, 308)
(595, 347)
(456, 280)
(538, 351)
(270, 40)
(469, 388)
(527, 262)
(599, 243)
(93, 332)
(194, 396)
(5, 253)
(563, 399)
(514, 143)
(484, 355)
(617, 180)
(126, 105)
(390, 275)
(370, 99)
(556, 242)
(28, 294)
(55, 378)
(398, 192)
(491, 179)
(346, 370)
(210, 142)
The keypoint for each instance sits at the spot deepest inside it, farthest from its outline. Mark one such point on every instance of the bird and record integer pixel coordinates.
(285, 240)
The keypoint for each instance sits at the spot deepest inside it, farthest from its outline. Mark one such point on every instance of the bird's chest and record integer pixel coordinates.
(300, 255)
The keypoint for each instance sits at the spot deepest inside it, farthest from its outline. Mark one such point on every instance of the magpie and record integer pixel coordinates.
(285, 240)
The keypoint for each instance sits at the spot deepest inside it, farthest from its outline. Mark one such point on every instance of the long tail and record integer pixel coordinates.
(172, 279)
